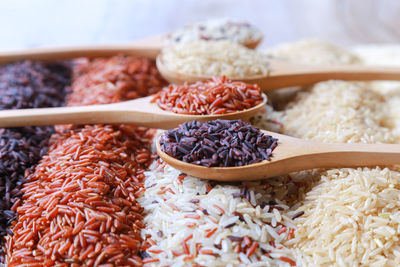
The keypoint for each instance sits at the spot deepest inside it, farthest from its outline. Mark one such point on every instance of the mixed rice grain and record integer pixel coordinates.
(25, 85)
(183, 212)
(79, 206)
(194, 221)
(162, 217)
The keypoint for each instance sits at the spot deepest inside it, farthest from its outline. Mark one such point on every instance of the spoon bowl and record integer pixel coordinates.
(291, 155)
(252, 44)
(138, 112)
(285, 74)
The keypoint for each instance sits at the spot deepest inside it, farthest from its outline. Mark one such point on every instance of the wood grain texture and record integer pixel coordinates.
(39, 23)
(138, 112)
(284, 74)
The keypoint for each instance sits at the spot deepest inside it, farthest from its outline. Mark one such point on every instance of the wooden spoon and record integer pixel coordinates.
(293, 154)
(285, 74)
(139, 112)
(148, 48)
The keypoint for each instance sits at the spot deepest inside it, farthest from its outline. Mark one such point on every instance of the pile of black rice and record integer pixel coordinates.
(218, 143)
(25, 85)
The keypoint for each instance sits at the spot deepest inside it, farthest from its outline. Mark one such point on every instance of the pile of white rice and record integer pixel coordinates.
(351, 216)
(215, 58)
(315, 52)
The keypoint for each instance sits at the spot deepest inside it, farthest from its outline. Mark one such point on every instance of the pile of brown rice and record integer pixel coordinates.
(343, 217)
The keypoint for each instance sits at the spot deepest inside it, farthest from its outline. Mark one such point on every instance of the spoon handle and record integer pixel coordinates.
(312, 155)
(149, 48)
(285, 74)
(60, 115)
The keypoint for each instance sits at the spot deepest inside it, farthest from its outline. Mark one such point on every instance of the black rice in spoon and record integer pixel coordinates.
(218, 143)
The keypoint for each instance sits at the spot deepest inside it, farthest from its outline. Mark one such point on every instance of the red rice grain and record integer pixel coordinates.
(79, 206)
(99, 225)
(288, 260)
(109, 80)
(210, 232)
(215, 96)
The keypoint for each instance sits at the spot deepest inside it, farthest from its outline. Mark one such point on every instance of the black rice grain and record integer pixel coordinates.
(298, 214)
(218, 143)
(229, 225)
(33, 84)
(239, 215)
(25, 85)
(235, 238)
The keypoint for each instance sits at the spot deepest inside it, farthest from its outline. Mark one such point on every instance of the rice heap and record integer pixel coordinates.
(79, 206)
(25, 84)
(90, 201)
(108, 80)
(215, 96)
(337, 217)
(215, 58)
(315, 52)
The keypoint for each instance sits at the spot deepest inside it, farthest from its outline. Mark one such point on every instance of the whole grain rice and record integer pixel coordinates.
(314, 51)
(337, 111)
(109, 80)
(351, 217)
(79, 206)
(218, 143)
(215, 96)
(345, 219)
(25, 85)
(338, 217)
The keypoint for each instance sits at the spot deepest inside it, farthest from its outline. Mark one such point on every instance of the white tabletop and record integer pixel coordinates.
(33, 23)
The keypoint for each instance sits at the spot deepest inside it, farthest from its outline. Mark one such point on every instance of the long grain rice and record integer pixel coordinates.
(215, 58)
(341, 217)
(79, 206)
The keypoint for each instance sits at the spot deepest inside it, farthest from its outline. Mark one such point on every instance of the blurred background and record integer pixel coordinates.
(28, 23)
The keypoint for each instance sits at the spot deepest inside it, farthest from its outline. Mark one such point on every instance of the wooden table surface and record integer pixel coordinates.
(27, 23)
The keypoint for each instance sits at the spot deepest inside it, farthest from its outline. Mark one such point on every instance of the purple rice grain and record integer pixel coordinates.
(229, 225)
(271, 207)
(218, 246)
(263, 204)
(205, 212)
(235, 238)
(239, 215)
(218, 143)
(143, 254)
(25, 85)
(298, 214)
(237, 195)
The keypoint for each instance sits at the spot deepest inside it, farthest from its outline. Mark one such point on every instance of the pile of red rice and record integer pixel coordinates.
(215, 96)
